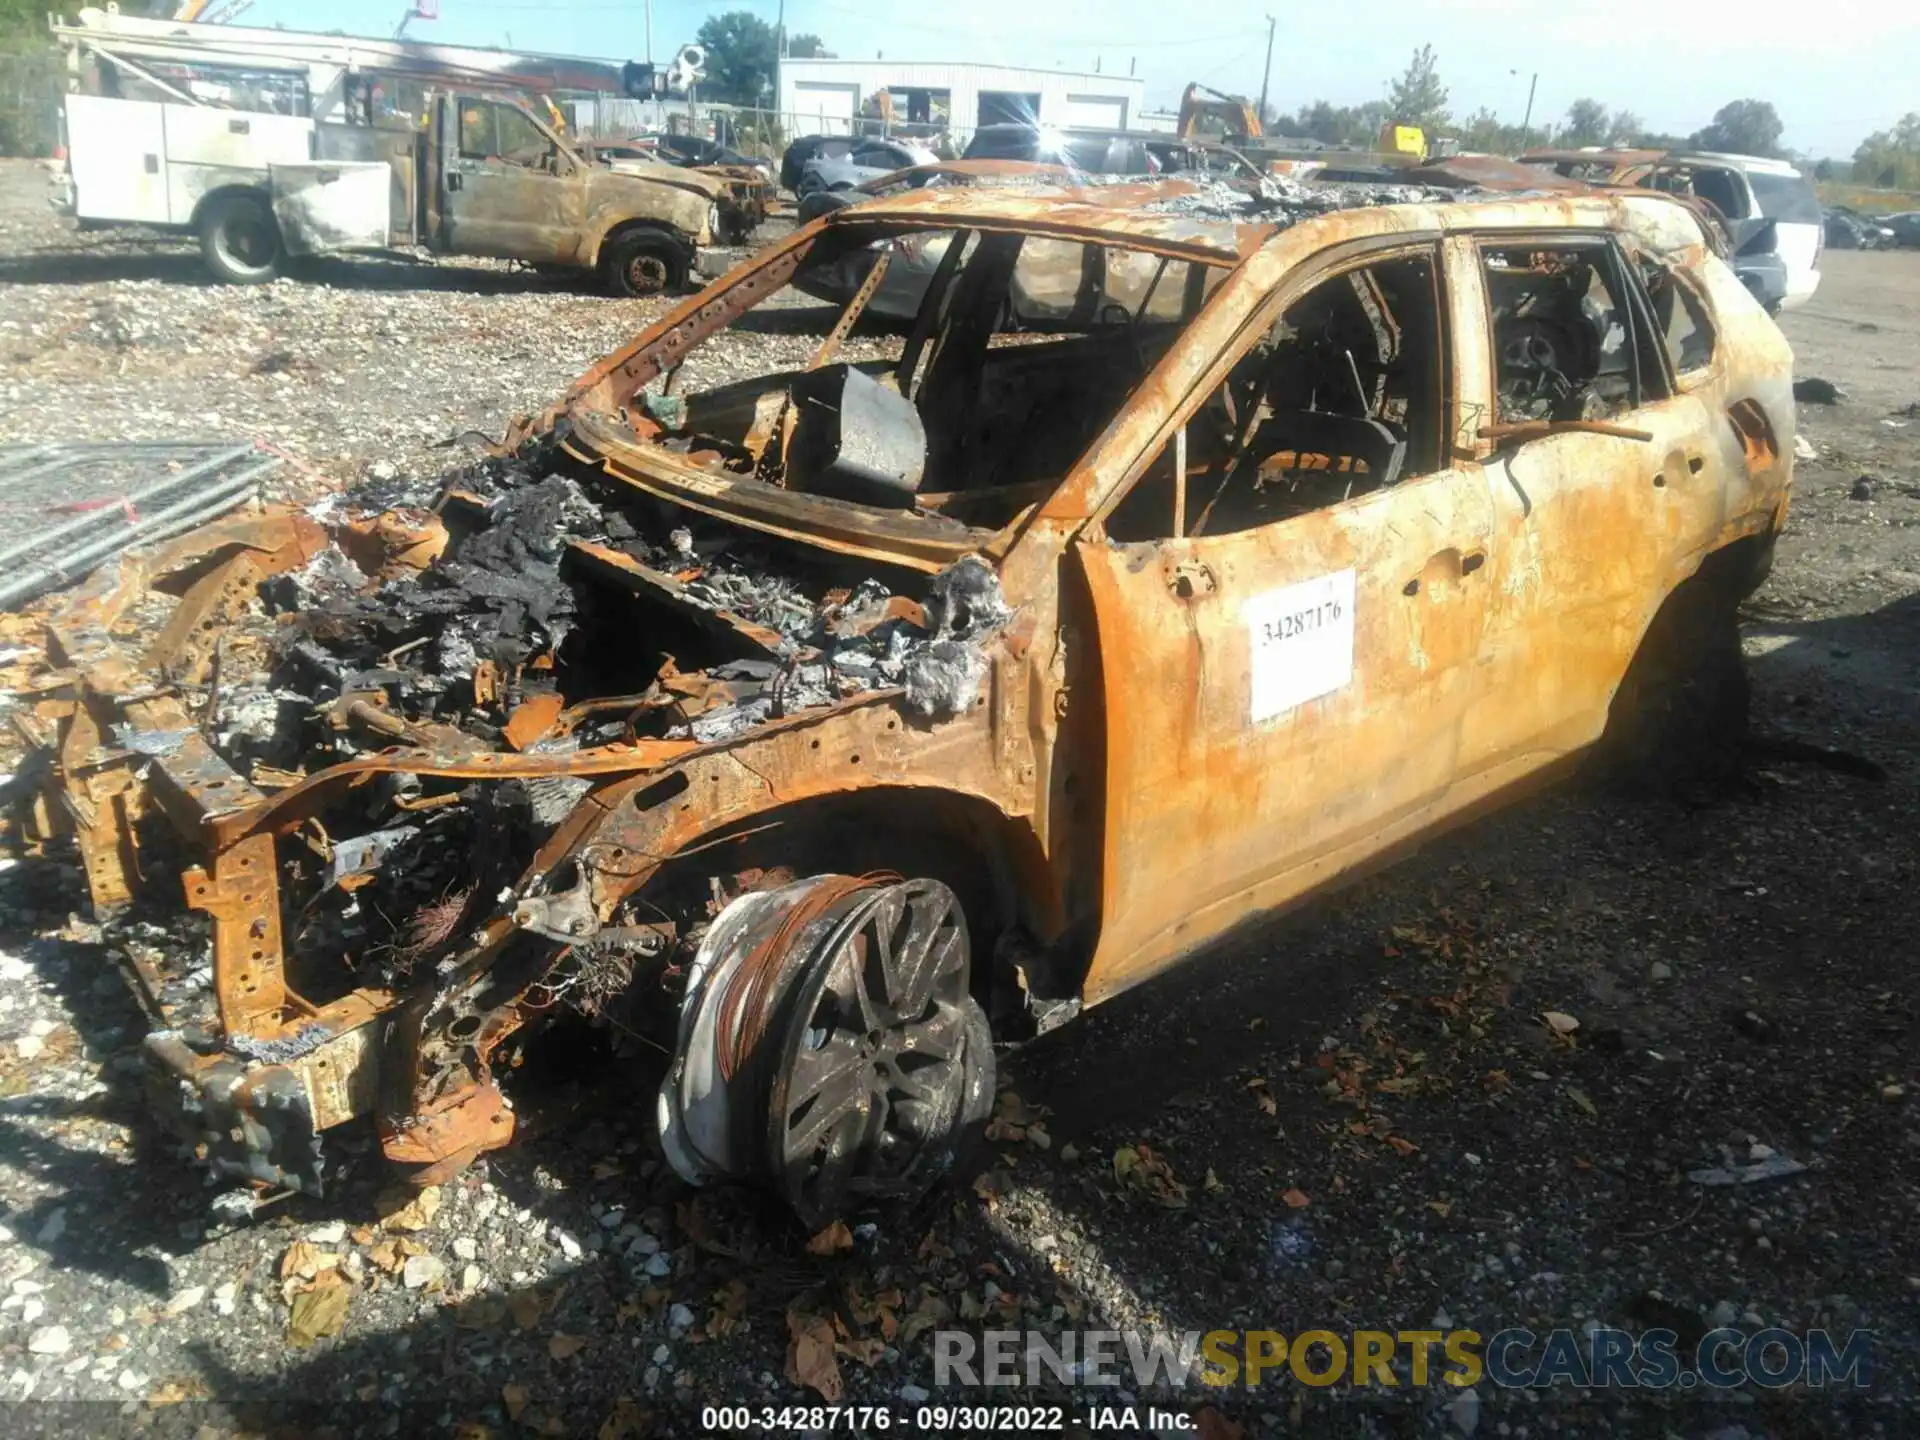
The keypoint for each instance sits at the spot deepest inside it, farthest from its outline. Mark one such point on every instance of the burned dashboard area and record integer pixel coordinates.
(368, 740)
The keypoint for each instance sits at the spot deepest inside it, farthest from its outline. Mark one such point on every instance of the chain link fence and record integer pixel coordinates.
(30, 86)
(748, 129)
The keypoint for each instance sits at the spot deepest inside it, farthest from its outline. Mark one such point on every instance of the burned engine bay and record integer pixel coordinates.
(395, 708)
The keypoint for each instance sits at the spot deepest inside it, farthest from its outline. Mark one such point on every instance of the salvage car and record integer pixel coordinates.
(868, 159)
(824, 727)
(1904, 225)
(1850, 229)
(742, 191)
(1769, 209)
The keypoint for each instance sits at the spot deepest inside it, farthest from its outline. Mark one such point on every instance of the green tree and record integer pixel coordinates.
(808, 47)
(1486, 132)
(1587, 124)
(1348, 125)
(1890, 159)
(1625, 128)
(742, 55)
(1742, 127)
(23, 21)
(1418, 97)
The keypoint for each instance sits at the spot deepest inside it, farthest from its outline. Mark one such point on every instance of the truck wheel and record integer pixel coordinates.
(1680, 715)
(645, 263)
(240, 241)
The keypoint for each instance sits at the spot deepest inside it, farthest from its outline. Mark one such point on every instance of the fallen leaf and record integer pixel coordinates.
(730, 1307)
(413, 1214)
(1212, 1183)
(1210, 1424)
(524, 1306)
(563, 1347)
(1262, 1096)
(1296, 1198)
(1579, 1097)
(1401, 1144)
(835, 1238)
(1442, 1208)
(301, 1259)
(929, 1313)
(319, 1311)
(514, 1397)
(626, 1421)
(810, 1356)
(867, 1349)
(1137, 1168)
(1560, 1022)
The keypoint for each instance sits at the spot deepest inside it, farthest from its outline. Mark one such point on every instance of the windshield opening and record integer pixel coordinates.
(961, 373)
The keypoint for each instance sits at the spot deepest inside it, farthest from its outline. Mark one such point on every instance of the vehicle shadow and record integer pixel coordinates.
(101, 266)
(183, 266)
(76, 1129)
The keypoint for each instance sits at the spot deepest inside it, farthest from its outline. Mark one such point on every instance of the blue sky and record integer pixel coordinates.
(1835, 70)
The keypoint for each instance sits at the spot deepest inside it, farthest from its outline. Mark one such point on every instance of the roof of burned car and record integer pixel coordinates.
(1216, 221)
(1122, 212)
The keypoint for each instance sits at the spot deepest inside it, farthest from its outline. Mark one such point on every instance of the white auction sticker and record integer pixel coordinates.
(1299, 643)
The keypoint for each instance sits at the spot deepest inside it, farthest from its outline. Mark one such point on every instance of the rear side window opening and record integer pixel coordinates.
(1785, 197)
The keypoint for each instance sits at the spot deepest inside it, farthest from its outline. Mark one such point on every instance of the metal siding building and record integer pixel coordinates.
(826, 96)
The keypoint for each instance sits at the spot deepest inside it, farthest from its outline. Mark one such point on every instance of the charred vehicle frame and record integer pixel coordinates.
(1188, 553)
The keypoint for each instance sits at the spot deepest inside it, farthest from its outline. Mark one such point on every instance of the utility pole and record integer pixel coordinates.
(780, 33)
(1526, 123)
(649, 32)
(1266, 75)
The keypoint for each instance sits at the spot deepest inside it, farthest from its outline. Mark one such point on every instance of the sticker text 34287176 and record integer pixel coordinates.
(1299, 643)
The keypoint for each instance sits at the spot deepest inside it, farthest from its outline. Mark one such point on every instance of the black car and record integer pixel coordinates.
(1905, 227)
(1848, 229)
(697, 150)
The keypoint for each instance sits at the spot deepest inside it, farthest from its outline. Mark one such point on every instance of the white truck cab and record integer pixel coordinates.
(270, 145)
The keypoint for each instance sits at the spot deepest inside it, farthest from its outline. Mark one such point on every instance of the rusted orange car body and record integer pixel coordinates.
(1186, 721)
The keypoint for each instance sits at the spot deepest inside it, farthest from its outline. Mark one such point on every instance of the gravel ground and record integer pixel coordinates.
(1354, 1118)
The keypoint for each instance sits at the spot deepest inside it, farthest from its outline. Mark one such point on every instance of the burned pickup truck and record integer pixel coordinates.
(1184, 554)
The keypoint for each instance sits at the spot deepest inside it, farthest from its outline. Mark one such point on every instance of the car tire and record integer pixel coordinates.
(1680, 715)
(645, 262)
(240, 240)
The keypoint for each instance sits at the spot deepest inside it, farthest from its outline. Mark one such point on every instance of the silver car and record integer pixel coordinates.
(868, 160)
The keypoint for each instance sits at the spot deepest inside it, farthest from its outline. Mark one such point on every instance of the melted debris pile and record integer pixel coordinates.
(521, 609)
(1277, 200)
(532, 603)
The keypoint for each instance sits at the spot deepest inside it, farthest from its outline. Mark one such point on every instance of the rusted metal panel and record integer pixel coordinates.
(243, 896)
(1490, 172)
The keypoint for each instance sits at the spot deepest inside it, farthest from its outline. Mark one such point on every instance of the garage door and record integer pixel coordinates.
(821, 108)
(1097, 112)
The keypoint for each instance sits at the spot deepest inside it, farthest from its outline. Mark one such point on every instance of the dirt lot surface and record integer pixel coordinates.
(1353, 1118)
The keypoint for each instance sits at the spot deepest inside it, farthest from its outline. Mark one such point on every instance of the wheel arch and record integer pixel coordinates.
(617, 227)
(251, 190)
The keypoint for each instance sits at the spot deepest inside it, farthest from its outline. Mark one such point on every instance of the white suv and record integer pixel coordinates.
(1749, 191)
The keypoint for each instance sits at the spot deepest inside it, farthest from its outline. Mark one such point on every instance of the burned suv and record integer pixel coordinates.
(822, 728)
